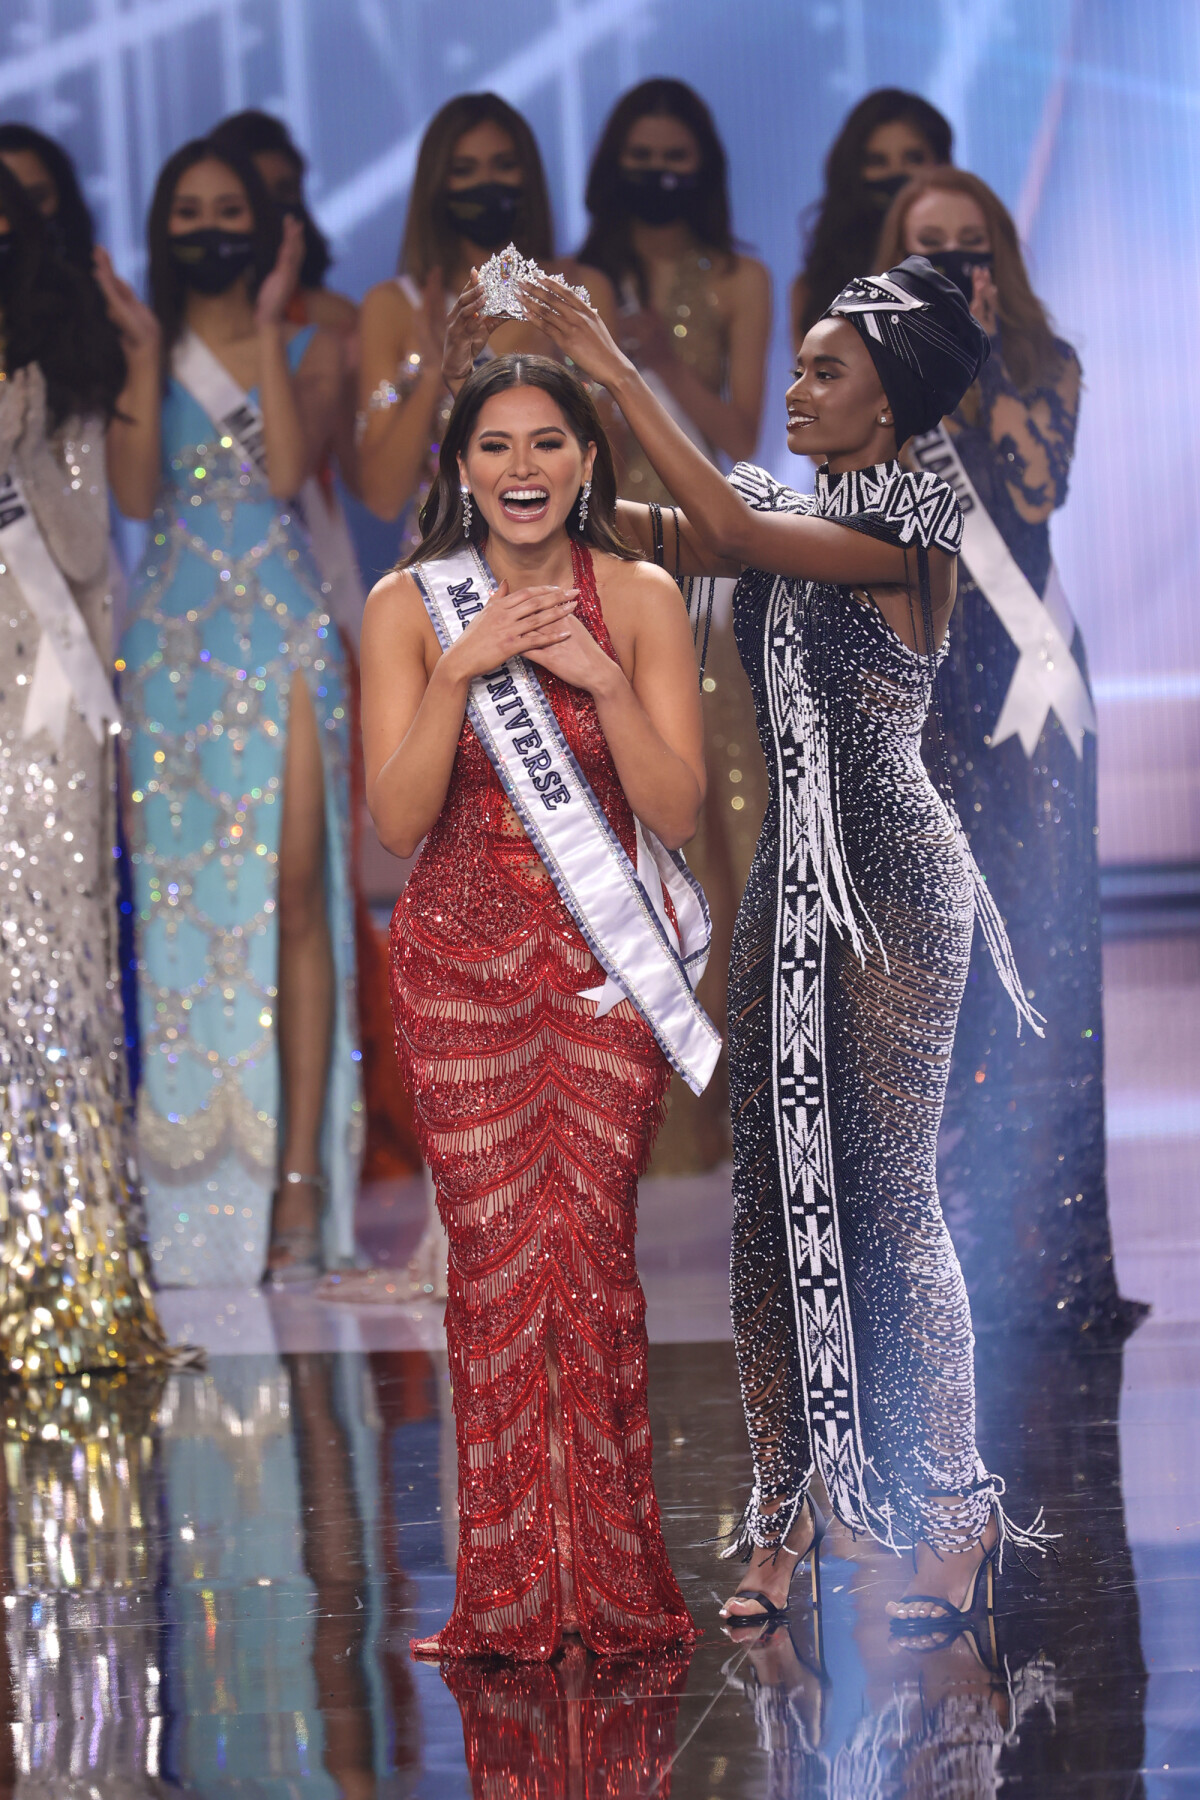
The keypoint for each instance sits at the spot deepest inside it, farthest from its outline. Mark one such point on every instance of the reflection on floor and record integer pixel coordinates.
(211, 1582)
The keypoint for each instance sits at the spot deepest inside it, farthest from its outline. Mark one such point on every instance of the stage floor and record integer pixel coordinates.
(213, 1585)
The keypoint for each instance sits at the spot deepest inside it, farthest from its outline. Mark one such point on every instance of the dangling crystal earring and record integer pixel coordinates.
(584, 495)
(466, 509)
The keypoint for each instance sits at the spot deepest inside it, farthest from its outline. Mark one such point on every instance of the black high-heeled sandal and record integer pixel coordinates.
(771, 1613)
(951, 1619)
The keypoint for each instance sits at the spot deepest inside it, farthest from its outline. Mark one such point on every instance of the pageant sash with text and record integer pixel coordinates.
(68, 666)
(618, 907)
(1047, 677)
(227, 404)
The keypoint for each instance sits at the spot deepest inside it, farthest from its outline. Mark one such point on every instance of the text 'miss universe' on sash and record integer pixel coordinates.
(618, 907)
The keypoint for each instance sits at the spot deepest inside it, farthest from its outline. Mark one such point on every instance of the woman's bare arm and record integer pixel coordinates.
(732, 532)
(133, 447)
(395, 439)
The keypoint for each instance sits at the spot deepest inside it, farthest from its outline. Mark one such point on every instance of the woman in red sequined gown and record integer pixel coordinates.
(535, 1114)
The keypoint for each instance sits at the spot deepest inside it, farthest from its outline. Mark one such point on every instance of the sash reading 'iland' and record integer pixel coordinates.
(618, 908)
(1047, 677)
(68, 666)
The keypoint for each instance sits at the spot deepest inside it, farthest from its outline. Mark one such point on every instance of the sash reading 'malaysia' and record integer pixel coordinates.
(1047, 677)
(618, 908)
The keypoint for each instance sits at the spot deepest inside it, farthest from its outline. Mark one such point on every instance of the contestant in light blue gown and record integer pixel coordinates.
(226, 607)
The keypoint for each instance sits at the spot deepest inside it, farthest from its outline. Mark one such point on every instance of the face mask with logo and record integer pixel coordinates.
(882, 189)
(485, 213)
(959, 267)
(659, 196)
(211, 259)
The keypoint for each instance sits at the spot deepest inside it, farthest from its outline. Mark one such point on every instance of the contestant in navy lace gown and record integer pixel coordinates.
(1022, 1152)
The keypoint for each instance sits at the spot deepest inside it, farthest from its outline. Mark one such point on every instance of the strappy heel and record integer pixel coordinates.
(979, 1605)
(771, 1614)
(301, 1243)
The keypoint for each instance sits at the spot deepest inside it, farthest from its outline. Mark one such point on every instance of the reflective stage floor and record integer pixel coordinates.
(212, 1584)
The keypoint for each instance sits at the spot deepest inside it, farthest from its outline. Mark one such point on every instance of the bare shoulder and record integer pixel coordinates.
(635, 593)
(395, 607)
(386, 301)
(749, 275)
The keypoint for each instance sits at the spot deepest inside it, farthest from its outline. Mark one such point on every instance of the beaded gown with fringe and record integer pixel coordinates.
(536, 1119)
(850, 1316)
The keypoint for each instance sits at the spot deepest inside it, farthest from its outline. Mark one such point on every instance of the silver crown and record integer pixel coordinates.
(501, 276)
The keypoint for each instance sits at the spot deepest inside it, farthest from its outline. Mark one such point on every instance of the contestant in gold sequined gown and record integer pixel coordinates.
(73, 1287)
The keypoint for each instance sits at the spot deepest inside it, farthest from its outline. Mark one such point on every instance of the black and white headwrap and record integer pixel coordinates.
(926, 346)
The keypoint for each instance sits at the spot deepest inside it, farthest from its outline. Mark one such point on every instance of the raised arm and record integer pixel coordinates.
(133, 446)
(298, 411)
(400, 348)
(730, 531)
(414, 698)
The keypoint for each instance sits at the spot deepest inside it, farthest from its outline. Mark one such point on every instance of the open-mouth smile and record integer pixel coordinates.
(525, 503)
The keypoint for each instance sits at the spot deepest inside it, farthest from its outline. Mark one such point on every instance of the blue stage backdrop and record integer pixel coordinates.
(1084, 114)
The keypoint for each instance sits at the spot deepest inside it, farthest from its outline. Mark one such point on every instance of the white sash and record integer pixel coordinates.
(68, 665)
(1047, 677)
(618, 909)
(236, 416)
(227, 404)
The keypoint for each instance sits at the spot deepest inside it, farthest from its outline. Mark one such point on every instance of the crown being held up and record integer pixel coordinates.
(501, 276)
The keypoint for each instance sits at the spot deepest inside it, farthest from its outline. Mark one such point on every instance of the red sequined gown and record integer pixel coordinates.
(536, 1119)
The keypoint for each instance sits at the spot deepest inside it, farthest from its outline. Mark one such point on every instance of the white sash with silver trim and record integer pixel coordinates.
(1047, 677)
(618, 908)
(227, 404)
(68, 666)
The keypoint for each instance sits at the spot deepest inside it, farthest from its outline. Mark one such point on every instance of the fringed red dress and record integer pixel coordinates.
(536, 1119)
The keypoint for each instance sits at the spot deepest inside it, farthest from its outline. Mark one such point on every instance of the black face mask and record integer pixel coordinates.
(884, 188)
(959, 266)
(485, 213)
(211, 259)
(659, 196)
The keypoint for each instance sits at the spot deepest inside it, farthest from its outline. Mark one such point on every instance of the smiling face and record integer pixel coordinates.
(524, 466)
(836, 406)
(209, 194)
(658, 141)
(944, 220)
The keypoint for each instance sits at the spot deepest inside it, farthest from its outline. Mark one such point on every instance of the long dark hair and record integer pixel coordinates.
(253, 133)
(168, 290)
(429, 240)
(609, 242)
(442, 514)
(841, 238)
(1033, 356)
(53, 316)
(76, 231)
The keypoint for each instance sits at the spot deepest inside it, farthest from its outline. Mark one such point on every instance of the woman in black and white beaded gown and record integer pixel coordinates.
(850, 1316)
